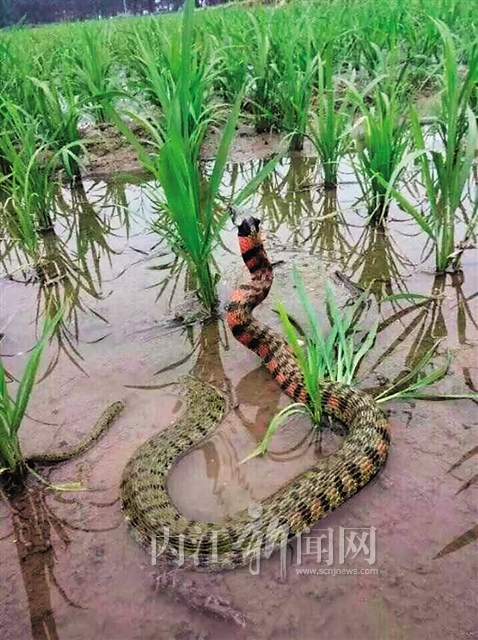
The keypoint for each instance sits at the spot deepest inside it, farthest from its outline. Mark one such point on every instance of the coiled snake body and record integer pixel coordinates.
(297, 505)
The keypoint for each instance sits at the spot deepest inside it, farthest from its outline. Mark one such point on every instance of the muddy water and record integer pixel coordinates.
(69, 568)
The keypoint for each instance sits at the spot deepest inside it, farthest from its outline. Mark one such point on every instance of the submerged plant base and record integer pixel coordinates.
(379, 212)
(296, 142)
(13, 481)
(330, 185)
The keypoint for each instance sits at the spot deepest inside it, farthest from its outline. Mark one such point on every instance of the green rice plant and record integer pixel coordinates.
(59, 113)
(446, 171)
(335, 357)
(227, 34)
(155, 56)
(262, 98)
(188, 215)
(179, 64)
(13, 469)
(296, 64)
(338, 357)
(91, 64)
(380, 145)
(192, 224)
(5, 166)
(32, 183)
(329, 124)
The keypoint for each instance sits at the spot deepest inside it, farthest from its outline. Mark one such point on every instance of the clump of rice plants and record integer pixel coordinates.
(330, 119)
(229, 38)
(188, 217)
(380, 145)
(164, 61)
(297, 65)
(192, 223)
(337, 358)
(59, 115)
(262, 96)
(92, 70)
(31, 182)
(13, 468)
(445, 171)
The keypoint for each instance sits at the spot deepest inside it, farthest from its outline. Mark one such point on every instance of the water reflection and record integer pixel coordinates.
(287, 195)
(328, 232)
(33, 524)
(68, 260)
(424, 324)
(377, 263)
(37, 532)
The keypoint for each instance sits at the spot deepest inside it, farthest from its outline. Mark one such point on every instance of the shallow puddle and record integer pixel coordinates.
(69, 567)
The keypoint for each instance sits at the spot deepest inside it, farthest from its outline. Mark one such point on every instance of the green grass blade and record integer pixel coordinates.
(28, 378)
(275, 423)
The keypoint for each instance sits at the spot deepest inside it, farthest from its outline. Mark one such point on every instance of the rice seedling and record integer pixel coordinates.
(335, 357)
(161, 69)
(338, 357)
(31, 184)
(59, 113)
(13, 469)
(188, 218)
(262, 95)
(296, 64)
(445, 172)
(229, 39)
(192, 224)
(330, 119)
(91, 66)
(380, 145)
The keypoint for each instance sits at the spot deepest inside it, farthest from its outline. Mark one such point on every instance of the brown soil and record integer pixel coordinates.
(109, 152)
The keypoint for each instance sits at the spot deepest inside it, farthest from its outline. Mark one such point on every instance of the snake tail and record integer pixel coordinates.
(101, 426)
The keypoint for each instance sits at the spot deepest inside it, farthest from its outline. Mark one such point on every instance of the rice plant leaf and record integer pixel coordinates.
(440, 397)
(5, 401)
(419, 217)
(252, 185)
(411, 376)
(291, 409)
(459, 542)
(291, 334)
(186, 44)
(29, 374)
(468, 483)
(471, 147)
(469, 454)
(223, 151)
(410, 297)
(364, 348)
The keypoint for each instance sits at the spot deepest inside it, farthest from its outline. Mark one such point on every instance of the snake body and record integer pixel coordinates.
(297, 505)
(100, 428)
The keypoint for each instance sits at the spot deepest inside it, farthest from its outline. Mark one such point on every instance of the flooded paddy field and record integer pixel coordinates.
(69, 566)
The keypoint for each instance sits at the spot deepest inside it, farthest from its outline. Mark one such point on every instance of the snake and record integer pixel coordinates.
(100, 427)
(296, 506)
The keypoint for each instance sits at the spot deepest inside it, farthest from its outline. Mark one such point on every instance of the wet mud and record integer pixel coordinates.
(69, 567)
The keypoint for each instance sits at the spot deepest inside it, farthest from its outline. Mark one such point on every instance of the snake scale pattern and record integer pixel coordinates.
(297, 505)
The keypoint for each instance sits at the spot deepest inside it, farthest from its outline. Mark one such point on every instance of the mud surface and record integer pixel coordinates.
(70, 569)
(109, 152)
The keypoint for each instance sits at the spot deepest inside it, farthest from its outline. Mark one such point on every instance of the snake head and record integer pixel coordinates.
(248, 227)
